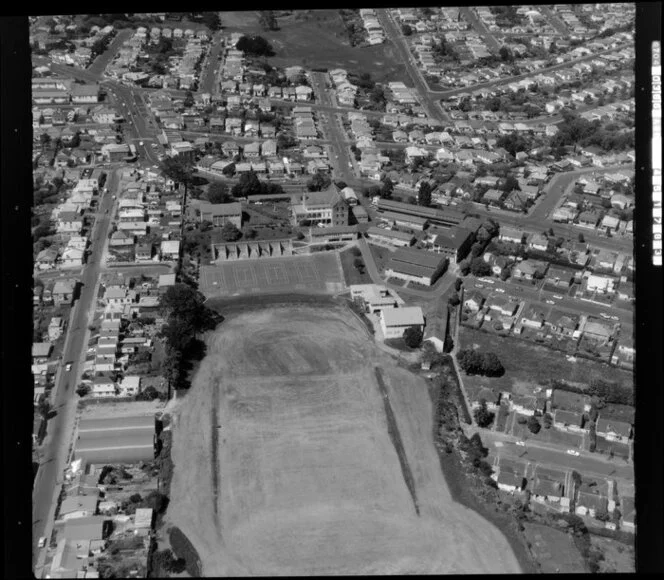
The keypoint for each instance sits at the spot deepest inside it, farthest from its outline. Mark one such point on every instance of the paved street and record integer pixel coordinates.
(333, 131)
(208, 83)
(481, 29)
(63, 396)
(431, 105)
(101, 62)
(549, 455)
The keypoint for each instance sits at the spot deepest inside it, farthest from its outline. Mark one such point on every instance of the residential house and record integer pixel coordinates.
(530, 269)
(221, 213)
(170, 249)
(473, 301)
(63, 291)
(327, 207)
(533, 316)
(568, 421)
(613, 430)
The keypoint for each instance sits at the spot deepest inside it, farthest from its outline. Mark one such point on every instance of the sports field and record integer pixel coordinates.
(284, 439)
(316, 273)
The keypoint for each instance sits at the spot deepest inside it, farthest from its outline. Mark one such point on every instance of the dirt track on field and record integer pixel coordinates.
(309, 480)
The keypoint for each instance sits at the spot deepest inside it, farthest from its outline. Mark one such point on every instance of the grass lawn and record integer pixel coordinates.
(618, 557)
(554, 549)
(526, 362)
(351, 274)
(399, 344)
(267, 233)
(562, 438)
(319, 41)
(380, 255)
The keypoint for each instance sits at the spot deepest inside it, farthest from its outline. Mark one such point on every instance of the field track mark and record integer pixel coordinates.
(395, 437)
(215, 451)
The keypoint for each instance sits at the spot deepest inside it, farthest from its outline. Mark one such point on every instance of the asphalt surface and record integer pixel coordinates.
(333, 131)
(63, 397)
(101, 62)
(481, 28)
(548, 455)
(431, 105)
(208, 83)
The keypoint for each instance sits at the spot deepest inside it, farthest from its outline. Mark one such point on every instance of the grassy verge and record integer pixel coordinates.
(466, 480)
(395, 437)
(352, 274)
(184, 549)
(528, 362)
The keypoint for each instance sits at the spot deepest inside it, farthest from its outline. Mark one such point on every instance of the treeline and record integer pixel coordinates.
(255, 46)
(474, 362)
(186, 317)
(575, 130)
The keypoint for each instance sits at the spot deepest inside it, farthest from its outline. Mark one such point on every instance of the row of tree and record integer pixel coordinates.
(474, 362)
(186, 317)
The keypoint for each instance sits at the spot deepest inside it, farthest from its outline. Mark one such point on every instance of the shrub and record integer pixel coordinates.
(533, 425)
(412, 336)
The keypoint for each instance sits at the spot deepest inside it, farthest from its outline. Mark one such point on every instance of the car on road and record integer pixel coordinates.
(572, 452)
(550, 302)
(42, 542)
(68, 367)
(520, 443)
(500, 290)
(615, 318)
(479, 285)
(140, 143)
(557, 296)
(604, 315)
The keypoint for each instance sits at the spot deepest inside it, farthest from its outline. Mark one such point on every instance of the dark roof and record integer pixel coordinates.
(422, 258)
(454, 238)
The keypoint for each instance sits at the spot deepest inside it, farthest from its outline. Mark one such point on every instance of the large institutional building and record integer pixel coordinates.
(327, 207)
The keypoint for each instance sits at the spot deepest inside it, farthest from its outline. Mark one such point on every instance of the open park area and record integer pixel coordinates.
(311, 453)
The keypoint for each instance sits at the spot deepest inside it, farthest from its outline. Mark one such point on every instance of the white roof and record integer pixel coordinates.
(408, 316)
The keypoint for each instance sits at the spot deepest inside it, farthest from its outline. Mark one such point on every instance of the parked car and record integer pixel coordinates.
(42, 542)
(500, 290)
(520, 443)
(572, 452)
(550, 302)
(68, 367)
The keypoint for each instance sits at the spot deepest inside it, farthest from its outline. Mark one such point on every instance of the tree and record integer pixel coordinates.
(506, 54)
(582, 238)
(478, 267)
(464, 267)
(457, 284)
(386, 188)
(211, 20)
(230, 232)
(412, 336)
(454, 299)
(491, 365)
(180, 170)
(510, 184)
(318, 182)
(406, 30)
(547, 420)
(218, 193)
(424, 194)
(188, 99)
(254, 45)
(268, 20)
(483, 417)
(248, 184)
(533, 425)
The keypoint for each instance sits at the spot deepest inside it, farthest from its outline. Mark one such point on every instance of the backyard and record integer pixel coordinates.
(529, 363)
(319, 41)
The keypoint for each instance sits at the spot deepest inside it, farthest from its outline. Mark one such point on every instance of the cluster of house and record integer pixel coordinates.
(72, 234)
(49, 90)
(183, 69)
(556, 490)
(147, 206)
(82, 54)
(90, 521)
(372, 26)
(118, 342)
(615, 16)
(596, 204)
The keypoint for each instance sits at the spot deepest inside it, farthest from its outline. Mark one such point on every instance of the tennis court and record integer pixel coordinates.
(315, 273)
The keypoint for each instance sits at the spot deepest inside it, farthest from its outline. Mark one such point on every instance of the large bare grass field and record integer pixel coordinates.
(301, 477)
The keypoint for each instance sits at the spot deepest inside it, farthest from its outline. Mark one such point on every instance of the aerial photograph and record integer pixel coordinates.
(333, 292)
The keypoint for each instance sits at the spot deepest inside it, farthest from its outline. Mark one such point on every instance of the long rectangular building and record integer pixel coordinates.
(445, 218)
(417, 266)
(390, 237)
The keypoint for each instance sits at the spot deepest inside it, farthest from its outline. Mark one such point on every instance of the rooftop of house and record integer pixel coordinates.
(568, 417)
(611, 426)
